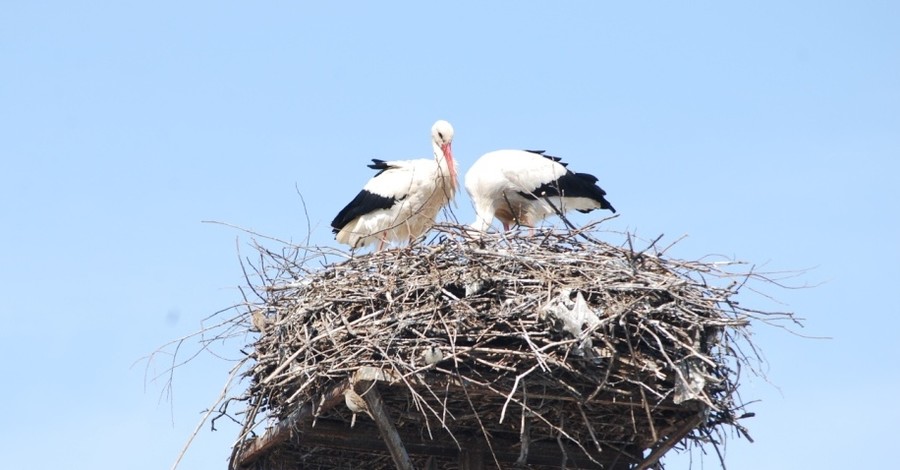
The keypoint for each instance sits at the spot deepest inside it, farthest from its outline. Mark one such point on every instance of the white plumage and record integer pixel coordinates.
(522, 187)
(401, 202)
(432, 355)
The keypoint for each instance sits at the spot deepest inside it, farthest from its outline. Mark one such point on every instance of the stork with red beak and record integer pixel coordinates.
(523, 187)
(402, 200)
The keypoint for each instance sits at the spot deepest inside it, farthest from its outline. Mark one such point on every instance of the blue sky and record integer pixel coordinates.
(768, 132)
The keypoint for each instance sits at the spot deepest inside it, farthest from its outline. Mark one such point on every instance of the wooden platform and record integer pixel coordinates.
(318, 435)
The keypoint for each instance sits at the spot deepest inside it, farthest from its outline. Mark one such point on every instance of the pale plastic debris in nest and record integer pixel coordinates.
(572, 316)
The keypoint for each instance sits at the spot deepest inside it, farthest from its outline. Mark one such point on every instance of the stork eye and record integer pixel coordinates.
(441, 135)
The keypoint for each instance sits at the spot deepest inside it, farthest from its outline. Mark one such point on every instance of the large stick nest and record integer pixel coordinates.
(552, 340)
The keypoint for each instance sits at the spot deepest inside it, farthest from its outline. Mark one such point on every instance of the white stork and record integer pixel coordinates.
(522, 187)
(401, 201)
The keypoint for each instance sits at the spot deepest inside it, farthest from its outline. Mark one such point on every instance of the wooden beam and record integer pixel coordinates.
(282, 430)
(337, 435)
(670, 442)
(369, 392)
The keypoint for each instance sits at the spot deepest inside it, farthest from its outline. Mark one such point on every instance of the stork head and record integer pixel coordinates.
(442, 133)
(442, 139)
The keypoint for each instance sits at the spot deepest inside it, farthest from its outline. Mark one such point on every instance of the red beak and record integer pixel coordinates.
(448, 155)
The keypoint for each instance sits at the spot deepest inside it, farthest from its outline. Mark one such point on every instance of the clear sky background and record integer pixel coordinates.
(764, 131)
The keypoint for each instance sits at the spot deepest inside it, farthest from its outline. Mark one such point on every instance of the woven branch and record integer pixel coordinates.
(553, 339)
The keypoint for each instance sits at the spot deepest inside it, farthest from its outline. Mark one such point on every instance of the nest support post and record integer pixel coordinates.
(369, 392)
(471, 457)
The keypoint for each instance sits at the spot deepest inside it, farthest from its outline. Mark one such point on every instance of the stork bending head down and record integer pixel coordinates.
(522, 187)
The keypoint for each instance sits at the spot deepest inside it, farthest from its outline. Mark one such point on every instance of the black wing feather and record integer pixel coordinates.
(549, 157)
(379, 165)
(573, 185)
(364, 203)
